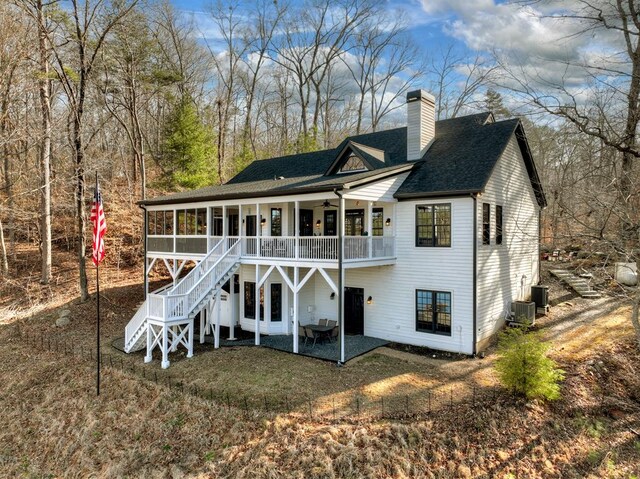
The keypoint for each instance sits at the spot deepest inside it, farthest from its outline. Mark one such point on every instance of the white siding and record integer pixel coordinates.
(391, 315)
(506, 272)
(382, 190)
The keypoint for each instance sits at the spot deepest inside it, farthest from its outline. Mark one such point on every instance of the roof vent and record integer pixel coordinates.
(421, 123)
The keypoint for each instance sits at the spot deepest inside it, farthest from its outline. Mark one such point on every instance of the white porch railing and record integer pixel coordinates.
(319, 248)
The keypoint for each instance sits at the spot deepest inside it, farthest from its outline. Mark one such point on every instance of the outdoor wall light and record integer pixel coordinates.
(369, 300)
(332, 295)
(318, 223)
(387, 222)
(263, 221)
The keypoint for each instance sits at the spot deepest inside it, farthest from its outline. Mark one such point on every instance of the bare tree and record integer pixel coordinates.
(90, 24)
(604, 104)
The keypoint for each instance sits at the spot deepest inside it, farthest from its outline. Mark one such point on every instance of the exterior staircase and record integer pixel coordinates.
(178, 306)
(579, 285)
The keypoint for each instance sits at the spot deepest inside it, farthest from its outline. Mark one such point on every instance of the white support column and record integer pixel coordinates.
(203, 314)
(258, 233)
(216, 339)
(240, 234)
(149, 356)
(295, 309)
(174, 335)
(190, 340)
(370, 228)
(232, 298)
(257, 306)
(165, 347)
(341, 284)
(225, 227)
(296, 231)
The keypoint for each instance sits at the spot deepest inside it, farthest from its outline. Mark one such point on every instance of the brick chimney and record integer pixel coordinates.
(421, 123)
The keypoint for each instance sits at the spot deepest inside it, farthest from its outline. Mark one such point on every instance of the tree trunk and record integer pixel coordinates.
(635, 316)
(44, 85)
(4, 263)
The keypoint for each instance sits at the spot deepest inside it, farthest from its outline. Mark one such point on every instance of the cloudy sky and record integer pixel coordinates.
(542, 49)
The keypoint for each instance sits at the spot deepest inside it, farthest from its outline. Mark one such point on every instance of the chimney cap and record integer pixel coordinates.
(420, 95)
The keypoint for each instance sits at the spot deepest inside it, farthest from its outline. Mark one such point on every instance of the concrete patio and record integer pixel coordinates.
(354, 346)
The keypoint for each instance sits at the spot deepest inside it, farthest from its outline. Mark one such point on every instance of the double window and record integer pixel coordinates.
(250, 301)
(433, 225)
(433, 311)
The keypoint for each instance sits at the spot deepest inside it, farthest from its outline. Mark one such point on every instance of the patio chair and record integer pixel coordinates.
(309, 335)
(302, 332)
(334, 333)
(332, 323)
(323, 322)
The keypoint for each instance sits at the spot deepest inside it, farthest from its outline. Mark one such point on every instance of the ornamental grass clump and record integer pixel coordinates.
(523, 366)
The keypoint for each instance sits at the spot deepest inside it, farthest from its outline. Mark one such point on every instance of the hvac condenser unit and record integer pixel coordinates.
(524, 312)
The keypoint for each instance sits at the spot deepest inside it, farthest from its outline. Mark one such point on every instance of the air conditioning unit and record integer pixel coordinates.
(524, 312)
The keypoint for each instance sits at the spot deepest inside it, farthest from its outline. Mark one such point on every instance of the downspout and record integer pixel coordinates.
(539, 237)
(144, 264)
(340, 285)
(475, 273)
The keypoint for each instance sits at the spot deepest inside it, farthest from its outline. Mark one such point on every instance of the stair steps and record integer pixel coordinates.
(136, 332)
(578, 284)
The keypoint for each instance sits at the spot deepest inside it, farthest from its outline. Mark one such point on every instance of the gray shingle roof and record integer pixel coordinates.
(460, 160)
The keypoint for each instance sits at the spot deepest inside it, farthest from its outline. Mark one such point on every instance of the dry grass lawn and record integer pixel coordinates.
(54, 426)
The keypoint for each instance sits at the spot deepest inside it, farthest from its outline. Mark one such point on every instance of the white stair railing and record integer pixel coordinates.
(135, 323)
(198, 270)
(177, 305)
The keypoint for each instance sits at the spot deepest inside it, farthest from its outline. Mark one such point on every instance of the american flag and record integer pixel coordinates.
(99, 227)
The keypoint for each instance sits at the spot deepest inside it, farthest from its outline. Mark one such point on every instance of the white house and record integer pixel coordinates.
(420, 235)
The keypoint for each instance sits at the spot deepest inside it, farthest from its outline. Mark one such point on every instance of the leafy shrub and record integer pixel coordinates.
(523, 366)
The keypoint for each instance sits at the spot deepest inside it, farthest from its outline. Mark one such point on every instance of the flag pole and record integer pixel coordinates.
(98, 314)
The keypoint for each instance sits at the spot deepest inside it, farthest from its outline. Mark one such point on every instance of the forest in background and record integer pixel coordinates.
(135, 91)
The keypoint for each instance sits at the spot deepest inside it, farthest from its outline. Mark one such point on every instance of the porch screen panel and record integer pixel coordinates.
(182, 222)
(168, 223)
(191, 222)
(151, 222)
(201, 221)
(216, 222)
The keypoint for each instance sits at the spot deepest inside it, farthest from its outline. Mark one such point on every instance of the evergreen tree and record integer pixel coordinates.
(188, 151)
(523, 366)
(493, 103)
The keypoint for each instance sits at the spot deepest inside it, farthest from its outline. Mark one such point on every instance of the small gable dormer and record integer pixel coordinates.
(355, 157)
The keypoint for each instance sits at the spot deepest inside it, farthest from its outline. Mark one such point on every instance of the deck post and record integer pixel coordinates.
(165, 346)
(258, 234)
(225, 228)
(232, 298)
(341, 276)
(296, 230)
(370, 229)
(190, 339)
(257, 304)
(243, 250)
(149, 357)
(295, 308)
(216, 338)
(202, 324)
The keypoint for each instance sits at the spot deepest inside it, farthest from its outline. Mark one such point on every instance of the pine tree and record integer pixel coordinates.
(188, 151)
(523, 366)
(493, 102)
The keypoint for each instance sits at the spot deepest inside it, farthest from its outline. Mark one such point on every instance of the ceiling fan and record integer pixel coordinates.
(326, 204)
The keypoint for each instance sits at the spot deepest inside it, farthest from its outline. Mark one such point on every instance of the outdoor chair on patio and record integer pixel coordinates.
(309, 335)
(334, 331)
(323, 322)
(302, 333)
